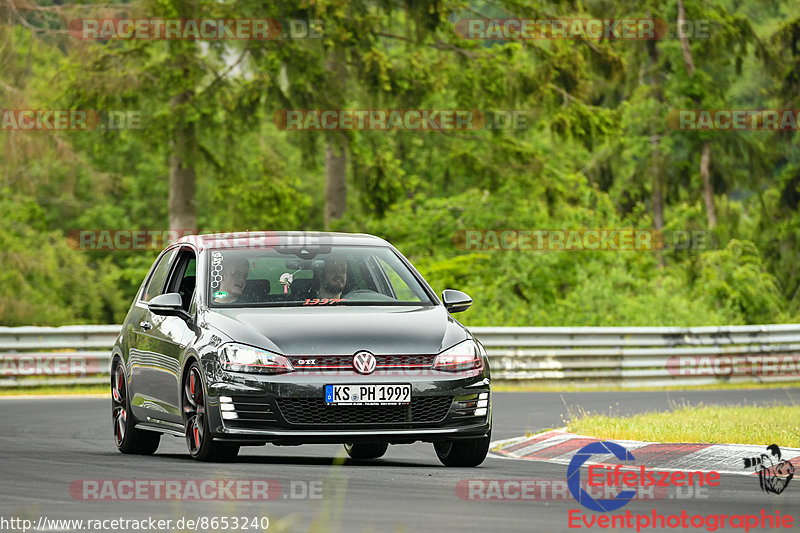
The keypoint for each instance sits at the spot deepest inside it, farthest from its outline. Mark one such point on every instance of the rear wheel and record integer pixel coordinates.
(127, 438)
(366, 450)
(467, 452)
(198, 437)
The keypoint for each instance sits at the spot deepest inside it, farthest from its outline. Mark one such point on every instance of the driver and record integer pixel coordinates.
(334, 278)
(234, 275)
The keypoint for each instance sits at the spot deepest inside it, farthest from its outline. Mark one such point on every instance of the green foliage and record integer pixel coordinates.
(734, 279)
(46, 282)
(553, 288)
(593, 149)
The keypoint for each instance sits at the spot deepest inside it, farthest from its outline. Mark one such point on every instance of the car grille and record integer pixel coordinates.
(333, 362)
(315, 412)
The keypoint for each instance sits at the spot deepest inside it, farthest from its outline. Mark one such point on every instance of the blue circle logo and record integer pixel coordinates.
(574, 477)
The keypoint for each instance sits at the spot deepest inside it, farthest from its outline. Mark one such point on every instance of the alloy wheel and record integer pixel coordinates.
(194, 410)
(119, 407)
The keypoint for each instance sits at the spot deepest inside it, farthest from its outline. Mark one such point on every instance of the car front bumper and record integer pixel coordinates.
(288, 409)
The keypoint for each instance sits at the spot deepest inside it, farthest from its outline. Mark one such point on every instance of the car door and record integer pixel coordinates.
(168, 337)
(143, 346)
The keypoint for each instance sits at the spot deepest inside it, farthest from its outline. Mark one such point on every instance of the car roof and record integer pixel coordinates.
(261, 239)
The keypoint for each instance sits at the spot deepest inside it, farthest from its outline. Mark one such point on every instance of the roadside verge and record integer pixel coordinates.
(559, 446)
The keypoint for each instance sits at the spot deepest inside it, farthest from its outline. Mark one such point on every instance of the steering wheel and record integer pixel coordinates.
(362, 291)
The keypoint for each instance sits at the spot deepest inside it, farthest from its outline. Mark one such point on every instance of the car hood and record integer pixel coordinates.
(341, 330)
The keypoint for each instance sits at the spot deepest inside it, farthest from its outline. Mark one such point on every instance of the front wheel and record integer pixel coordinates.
(366, 450)
(198, 437)
(127, 438)
(467, 452)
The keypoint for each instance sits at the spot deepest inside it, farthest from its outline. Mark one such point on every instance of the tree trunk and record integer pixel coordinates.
(336, 143)
(182, 201)
(705, 156)
(657, 163)
(656, 160)
(335, 177)
(708, 193)
(687, 51)
(658, 190)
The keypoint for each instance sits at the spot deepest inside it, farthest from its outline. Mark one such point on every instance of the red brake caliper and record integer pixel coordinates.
(196, 430)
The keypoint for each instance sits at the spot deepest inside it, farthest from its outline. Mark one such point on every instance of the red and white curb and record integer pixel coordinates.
(559, 446)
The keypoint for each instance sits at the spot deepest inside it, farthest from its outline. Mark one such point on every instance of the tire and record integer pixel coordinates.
(127, 438)
(198, 436)
(468, 452)
(366, 450)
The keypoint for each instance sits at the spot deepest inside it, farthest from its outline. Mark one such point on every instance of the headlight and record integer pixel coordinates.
(463, 356)
(241, 358)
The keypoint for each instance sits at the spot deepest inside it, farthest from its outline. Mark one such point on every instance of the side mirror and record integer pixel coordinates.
(170, 304)
(456, 301)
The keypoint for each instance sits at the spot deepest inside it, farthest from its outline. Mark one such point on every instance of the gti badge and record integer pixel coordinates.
(364, 362)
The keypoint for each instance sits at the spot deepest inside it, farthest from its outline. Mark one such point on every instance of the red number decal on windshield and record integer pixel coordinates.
(323, 301)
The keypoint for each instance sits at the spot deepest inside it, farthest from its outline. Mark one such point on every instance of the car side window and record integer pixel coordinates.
(155, 284)
(184, 277)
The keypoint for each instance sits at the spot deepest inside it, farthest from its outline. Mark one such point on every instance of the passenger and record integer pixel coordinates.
(235, 270)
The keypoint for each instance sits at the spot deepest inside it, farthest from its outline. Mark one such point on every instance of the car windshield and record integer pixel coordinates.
(321, 276)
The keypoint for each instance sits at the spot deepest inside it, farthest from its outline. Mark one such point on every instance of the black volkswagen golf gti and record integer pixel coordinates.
(290, 338)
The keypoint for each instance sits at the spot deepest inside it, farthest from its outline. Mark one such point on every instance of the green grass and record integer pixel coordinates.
(56, 389)
(763, 425)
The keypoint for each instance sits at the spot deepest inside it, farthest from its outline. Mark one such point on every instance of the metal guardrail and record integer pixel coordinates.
(579, 356)
(644, 356)
(67, 355)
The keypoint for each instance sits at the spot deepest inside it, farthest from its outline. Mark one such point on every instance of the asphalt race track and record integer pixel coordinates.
(47, 445)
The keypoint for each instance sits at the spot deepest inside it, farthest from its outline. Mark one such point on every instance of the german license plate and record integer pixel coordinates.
(378, 394)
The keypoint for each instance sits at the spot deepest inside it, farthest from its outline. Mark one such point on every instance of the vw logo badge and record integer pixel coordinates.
(364, 362)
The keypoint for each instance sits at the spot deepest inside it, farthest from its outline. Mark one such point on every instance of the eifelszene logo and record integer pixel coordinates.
(574, 477)
(633, 478)
(774, 473)
(624, 477)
